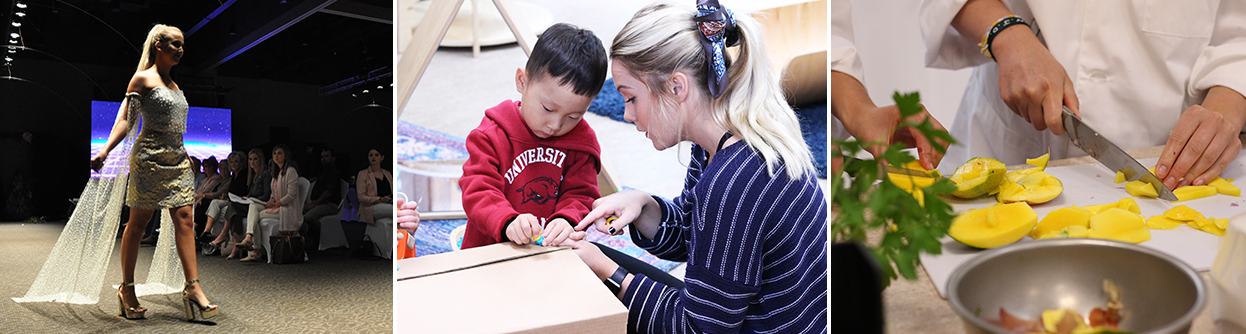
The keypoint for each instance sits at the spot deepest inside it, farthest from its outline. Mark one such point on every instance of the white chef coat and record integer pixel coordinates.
(844, 57)
(1135, 66)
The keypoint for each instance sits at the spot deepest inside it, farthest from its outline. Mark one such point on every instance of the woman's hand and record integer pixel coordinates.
(97, 162)
(558, 232)
(1031, 82)
(626, 205)
(387, 199)
(876, 125)
(1199, 148)
(592, 256)
(408, 216)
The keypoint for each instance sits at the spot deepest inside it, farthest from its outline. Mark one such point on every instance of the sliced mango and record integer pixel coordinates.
(1041, 162)
(1068, 232)
(1060, 219)
(917, 165)
(1032, 186)
(1193, 192)
(1225, 188)
(1183, 213)
(1066, 319)
(1160, 222)
(1141, 189)
(977, 177)
(994, 226)
(1125, 203)
(912, 184)
(1119, 224)
(1120, 177)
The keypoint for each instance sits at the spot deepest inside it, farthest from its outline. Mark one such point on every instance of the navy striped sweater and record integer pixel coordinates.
(755, 246)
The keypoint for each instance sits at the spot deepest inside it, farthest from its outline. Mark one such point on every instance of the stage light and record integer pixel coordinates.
(13, 41)
(15, 35)
(20, 14)
(17, 24)
(12, 50)
(21, 5)
(380, 87)
(8, 59)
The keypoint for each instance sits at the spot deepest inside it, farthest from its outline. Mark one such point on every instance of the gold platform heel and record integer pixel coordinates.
(131, 313)
(191, 305)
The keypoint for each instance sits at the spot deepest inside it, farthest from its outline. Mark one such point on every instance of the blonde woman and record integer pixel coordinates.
(160, 176)
(751, 221)
(376, 189)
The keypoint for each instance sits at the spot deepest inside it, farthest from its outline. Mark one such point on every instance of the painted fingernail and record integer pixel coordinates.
(611, 230)
(1161, 171)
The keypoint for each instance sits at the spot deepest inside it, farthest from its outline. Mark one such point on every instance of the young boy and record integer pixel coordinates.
(532, 166)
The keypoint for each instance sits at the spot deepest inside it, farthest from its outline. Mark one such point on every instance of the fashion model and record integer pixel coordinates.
(159, 168)
(157, 176)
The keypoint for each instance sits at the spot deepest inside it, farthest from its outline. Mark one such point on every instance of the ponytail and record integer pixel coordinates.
(663, 38)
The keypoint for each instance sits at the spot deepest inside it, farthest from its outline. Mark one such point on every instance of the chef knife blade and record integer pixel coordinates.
(1110, 155)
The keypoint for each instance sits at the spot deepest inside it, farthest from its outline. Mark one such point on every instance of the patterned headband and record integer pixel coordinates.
(718, 31)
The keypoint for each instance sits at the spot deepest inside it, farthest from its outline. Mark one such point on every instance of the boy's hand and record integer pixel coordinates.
(523, 228)
(558, 231)
(408, 216)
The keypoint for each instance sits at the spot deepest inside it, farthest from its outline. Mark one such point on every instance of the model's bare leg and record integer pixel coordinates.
(129, 251)
(185, 229)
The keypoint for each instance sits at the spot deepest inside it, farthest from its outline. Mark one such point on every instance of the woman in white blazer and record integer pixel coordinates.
(1142, 73)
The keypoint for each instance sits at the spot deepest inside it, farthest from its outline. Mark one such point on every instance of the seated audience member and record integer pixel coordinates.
(284, 204)
(375, 188)
(324, 198)
(220, 208)
(259, 190)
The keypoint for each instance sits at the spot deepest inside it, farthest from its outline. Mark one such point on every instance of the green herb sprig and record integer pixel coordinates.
(911, 228)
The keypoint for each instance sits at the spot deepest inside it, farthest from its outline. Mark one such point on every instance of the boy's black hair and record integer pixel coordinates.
(574, 56)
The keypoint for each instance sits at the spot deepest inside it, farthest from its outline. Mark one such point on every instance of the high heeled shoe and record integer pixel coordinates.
(192, 305)
(245, 244)
(253, 257)
(130, 313)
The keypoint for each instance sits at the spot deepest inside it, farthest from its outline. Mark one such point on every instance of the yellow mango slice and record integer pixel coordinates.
(1183, 213)
(1032, 186)
(1041, 162)
(917, 165)
(1222, 223)
(1141, 189)
(977, 177)
(1067, 232)
(1119, 224)
(912, 184)
(1052, 320)
(1160, 222)
(1120, 177)
(1060, 219)
(1193, 192)
(994, 226)
(1225, 188)
(1125, 203)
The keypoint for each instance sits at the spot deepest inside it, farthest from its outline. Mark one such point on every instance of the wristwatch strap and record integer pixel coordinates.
(615, 281)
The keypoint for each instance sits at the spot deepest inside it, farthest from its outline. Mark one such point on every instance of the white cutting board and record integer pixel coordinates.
(1092, 184)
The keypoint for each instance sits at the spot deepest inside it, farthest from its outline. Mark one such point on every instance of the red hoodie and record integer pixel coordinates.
(510, 171)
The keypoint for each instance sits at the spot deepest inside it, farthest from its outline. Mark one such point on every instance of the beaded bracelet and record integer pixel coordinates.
(1000, 25)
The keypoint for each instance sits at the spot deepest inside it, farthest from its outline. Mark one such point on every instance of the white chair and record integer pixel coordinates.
(381, 232)
(331, 233)
(270, 226)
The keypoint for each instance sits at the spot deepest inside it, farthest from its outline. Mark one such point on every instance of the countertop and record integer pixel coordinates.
(915, 306)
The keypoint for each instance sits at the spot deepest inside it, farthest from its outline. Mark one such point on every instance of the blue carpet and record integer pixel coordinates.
(609, 103)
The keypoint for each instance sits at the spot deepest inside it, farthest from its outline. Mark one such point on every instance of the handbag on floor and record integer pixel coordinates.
(363, 248)
(287, 248)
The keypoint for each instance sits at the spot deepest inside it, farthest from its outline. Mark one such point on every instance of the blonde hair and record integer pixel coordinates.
(158, 33)
(662, 38)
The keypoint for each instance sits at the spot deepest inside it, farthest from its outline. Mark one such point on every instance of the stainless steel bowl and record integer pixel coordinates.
(1160, 293)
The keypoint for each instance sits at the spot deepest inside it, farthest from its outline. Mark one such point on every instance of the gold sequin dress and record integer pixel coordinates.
(159, 169)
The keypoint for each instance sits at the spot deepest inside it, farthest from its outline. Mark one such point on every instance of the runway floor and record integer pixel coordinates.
(333, 292)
